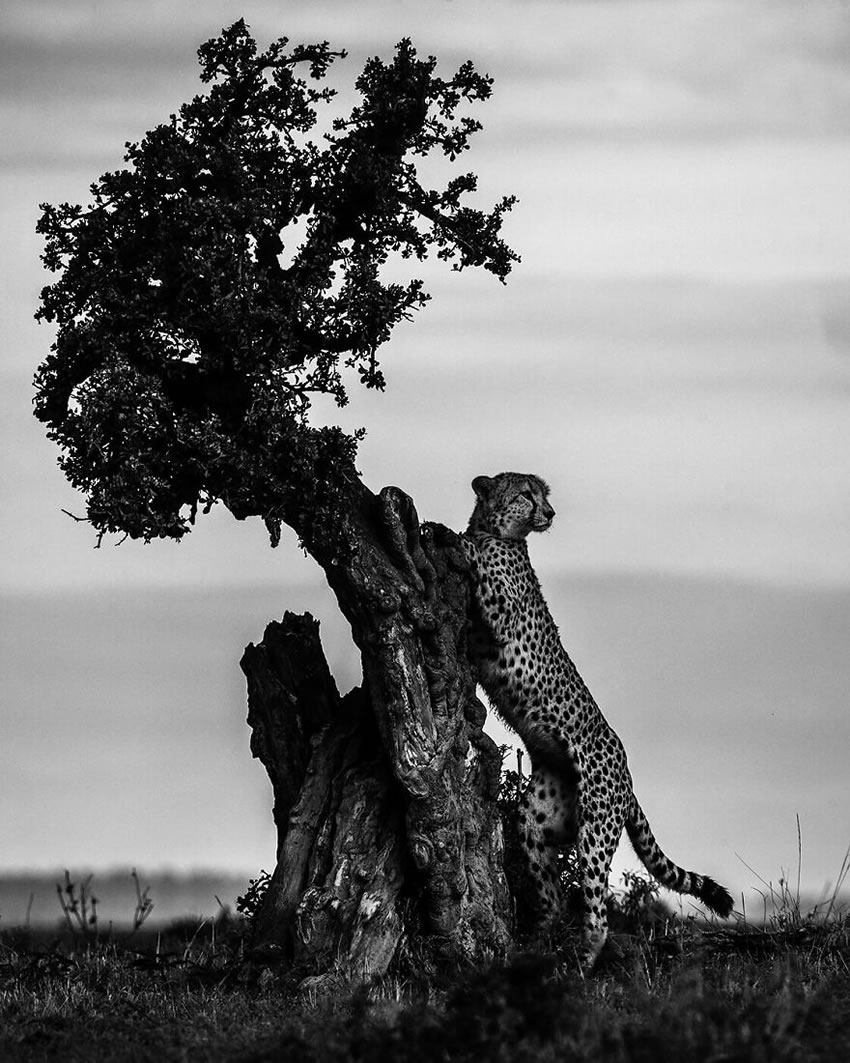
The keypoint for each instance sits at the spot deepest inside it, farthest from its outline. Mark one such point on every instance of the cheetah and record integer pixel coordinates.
(580, 791)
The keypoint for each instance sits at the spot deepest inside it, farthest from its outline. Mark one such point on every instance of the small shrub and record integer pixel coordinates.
(251, 901)
(79, 906)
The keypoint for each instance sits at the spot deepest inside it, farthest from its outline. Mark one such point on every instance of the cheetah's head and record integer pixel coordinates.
(510, 505)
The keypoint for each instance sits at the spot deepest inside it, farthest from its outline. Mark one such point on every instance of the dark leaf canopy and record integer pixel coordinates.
(237, 267)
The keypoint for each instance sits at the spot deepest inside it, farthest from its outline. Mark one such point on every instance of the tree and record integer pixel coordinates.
(234, 269)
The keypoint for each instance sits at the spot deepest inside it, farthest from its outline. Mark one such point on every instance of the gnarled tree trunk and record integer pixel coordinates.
(385, 799)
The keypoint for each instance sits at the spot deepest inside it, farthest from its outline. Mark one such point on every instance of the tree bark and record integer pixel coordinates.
(389, 836)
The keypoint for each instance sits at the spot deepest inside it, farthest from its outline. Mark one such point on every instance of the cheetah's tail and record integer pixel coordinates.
(713, 896)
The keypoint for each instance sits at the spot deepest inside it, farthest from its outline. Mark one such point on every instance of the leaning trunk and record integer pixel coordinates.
(389, 835)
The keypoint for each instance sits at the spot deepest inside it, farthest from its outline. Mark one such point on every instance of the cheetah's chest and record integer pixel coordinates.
(521, 662)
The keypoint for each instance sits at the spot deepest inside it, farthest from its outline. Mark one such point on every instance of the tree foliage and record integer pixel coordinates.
(240, 265)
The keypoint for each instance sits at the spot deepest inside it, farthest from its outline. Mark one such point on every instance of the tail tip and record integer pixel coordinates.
(715, 897)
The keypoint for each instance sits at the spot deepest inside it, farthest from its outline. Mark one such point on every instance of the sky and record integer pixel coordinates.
(672, 355)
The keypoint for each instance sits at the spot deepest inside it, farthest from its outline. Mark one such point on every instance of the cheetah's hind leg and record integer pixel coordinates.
(547, 823)
(598, 837)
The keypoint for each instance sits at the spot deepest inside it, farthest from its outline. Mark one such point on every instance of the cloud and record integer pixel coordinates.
(137, 732)
(76, 78)
(835, 317)
(691, 69)
(677, 276)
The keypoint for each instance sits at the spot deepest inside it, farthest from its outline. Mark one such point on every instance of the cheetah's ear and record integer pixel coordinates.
(481, 486)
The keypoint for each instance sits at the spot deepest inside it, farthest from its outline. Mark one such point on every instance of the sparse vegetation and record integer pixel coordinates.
(668, 991)
(669, 988)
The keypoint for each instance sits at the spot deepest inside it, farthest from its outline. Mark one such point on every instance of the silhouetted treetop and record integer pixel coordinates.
(238, 266)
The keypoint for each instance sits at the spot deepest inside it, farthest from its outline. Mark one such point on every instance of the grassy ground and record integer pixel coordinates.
(666, 991)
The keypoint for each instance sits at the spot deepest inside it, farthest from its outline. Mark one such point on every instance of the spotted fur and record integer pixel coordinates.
(580, 791)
